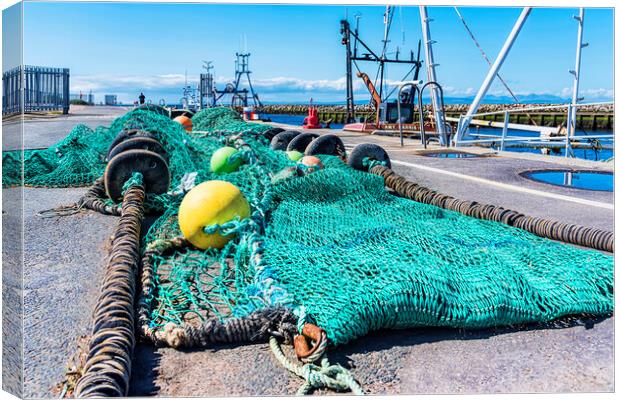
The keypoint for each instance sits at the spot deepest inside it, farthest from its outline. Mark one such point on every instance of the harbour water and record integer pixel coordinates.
(587, 180)
(594, 153)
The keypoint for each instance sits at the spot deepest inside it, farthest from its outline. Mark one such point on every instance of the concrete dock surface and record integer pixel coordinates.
(65, 258)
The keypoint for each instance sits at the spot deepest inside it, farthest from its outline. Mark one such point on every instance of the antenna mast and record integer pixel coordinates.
(207, 86)
(241, 69)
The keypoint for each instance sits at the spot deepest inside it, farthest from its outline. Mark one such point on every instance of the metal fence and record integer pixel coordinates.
(40, 88)
(87, 97)
(546, 135)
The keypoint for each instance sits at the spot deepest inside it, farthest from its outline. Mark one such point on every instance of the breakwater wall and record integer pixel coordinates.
(596, 117)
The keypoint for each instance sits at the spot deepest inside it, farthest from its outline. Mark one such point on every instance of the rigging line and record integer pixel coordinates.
(403, 78)
(402, 24)
(484, 55)
(387, 22)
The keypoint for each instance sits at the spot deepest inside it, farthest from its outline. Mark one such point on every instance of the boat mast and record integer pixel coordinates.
(465, 120)
(432, 77)
(345, 30)
(572, 108)
(368, 55)
(387, 22)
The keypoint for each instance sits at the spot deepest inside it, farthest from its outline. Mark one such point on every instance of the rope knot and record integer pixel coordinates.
(329, 376)
(228, 228)
(371, 163)
(173, 335)
(135, 180)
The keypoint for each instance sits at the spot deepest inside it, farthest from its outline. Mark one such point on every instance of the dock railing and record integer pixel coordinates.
(551, 136)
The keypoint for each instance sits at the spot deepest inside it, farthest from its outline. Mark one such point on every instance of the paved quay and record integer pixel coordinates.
(495, 178)
(65, 258)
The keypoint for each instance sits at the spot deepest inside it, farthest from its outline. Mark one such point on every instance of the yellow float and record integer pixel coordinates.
(210, 203)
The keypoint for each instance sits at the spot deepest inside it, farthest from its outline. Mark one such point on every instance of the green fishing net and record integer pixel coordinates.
(334, 245)
(358, 259)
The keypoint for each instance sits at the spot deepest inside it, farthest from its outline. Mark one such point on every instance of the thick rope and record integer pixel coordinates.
(256, 327)
(328, 376)
(108, 364)
(570, 233)
(91, 200)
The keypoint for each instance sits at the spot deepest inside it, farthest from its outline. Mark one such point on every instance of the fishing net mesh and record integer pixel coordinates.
(335, 246)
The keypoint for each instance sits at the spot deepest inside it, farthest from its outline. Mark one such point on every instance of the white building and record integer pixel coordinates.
(110, 100)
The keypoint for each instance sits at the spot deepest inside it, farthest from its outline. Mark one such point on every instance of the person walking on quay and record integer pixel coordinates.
(141, 98)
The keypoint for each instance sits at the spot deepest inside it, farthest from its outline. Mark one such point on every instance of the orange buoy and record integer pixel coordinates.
(309, 164)
(185, 121)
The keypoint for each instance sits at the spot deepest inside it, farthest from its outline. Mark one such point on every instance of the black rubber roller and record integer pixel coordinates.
(330, 145)
(300, 142)
(140, 143)
(270, 133)
(282, 139)
(369, 151)
(152, 166)
(126, 134)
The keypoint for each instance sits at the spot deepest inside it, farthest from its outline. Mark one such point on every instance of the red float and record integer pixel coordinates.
(312, 120)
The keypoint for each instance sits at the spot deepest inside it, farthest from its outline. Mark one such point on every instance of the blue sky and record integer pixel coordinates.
(296, 50)
(11, 28)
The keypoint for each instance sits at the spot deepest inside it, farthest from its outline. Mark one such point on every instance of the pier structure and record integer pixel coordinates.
(586, 118)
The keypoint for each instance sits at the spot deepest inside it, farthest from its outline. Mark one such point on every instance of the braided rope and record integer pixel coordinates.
(333, 377)
(91, 200)
(108, 364)
(255, 327)
(570, 233)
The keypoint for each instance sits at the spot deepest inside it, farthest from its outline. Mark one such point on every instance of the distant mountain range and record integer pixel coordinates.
(361, 99)
(488, 99)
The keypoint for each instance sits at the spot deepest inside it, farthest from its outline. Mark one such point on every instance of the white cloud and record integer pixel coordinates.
(590, 92)
(280, 88)
(102, 82)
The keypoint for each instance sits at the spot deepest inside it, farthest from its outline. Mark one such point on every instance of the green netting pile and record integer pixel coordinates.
(76, 160)
(359, 259)
(336, 247)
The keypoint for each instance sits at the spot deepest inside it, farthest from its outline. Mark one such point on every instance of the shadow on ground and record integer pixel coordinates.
(571, 354)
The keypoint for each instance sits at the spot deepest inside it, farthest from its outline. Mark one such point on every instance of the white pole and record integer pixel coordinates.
(493, 71)
(571, 121)
(505, 129)
(458, 128)
(430, 70)
(568, 150)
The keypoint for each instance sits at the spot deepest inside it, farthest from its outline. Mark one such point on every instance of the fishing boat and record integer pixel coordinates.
(406, 114)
